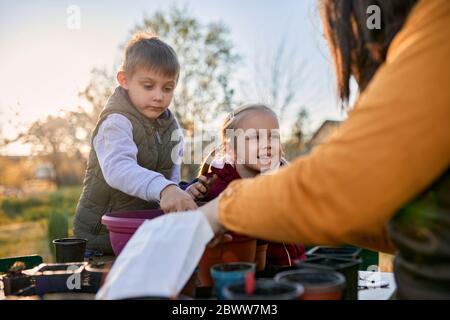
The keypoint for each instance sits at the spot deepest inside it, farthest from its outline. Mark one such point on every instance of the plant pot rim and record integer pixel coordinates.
(249, 265)
(69, 241)
(118, 220)
(341, 251)
(297, 291)
(342, 263)
(336, 280)
(38, 271)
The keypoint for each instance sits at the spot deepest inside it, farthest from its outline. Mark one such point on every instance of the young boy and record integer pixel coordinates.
(130, 166)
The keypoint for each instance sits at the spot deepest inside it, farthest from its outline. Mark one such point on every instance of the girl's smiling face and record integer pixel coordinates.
(257, 141)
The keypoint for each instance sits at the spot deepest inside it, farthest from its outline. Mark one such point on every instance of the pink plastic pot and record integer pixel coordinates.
(122, 225)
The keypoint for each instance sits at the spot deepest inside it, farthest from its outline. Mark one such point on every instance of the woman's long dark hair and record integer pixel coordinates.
(357, 50)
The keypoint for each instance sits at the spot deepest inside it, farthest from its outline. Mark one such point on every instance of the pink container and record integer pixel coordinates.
(122, 225)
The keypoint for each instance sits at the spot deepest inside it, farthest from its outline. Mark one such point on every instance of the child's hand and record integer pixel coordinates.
(174, 199)
(199, 189)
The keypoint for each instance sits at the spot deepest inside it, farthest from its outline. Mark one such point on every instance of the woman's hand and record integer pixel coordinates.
(174, 199)
(211, 212)
(199, 189)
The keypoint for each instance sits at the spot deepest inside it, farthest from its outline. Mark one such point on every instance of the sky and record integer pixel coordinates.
(45, 61)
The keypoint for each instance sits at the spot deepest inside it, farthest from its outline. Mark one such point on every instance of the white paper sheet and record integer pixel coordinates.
(160, 257)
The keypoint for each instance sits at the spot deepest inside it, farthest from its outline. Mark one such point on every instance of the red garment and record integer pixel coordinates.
(279, 254)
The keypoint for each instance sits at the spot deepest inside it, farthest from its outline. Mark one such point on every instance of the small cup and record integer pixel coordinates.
(224, 274)
(69, 249)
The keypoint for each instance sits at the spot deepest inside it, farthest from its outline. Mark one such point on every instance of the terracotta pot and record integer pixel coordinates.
(347, 267)
(241, 249)
(317, 284)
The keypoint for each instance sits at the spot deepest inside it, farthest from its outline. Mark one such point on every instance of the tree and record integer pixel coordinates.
(99, 88)
(60, 139)
(295, 145)
(207, 60)
(206, 56)
(300, 125)
(53, 139)
(14, 171)
(280, 76)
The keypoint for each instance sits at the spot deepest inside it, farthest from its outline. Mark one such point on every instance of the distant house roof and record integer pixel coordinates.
(323, 132)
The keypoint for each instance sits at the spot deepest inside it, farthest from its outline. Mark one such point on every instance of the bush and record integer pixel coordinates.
(24, 209)
(37, 213)
(14, 207)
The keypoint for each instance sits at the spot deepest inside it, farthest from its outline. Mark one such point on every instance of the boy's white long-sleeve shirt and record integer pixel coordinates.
(117, 156)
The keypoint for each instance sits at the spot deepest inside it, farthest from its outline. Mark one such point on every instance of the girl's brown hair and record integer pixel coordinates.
(357, 50)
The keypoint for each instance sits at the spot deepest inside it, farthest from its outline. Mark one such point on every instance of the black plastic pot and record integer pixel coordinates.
(271, 271)
(348, 267)
(346, 252)
(69, 249)
(18, 285)
(94, 277)
(265, 289)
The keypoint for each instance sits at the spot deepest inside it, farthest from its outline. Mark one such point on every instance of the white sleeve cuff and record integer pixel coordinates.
(155, 187)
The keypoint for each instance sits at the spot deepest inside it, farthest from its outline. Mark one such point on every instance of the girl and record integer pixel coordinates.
(250, 146)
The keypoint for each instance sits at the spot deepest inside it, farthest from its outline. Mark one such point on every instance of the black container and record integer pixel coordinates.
(94, 277)
(346, 252)
(348, 267)
(59, 277)
(271, 271)
(204, 293)
(265, 289)
(18, 285)
(69, 249)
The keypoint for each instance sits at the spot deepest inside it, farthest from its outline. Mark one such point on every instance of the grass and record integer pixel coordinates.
(24, 221)
(25, 238)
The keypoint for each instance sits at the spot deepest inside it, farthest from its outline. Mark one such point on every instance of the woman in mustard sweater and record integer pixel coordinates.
(381, 180)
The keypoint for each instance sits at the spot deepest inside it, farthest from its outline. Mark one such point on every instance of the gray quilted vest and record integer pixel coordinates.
(154, 143)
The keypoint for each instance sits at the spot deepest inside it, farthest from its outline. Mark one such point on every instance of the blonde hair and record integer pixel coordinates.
(146, 50)
(231, 122)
